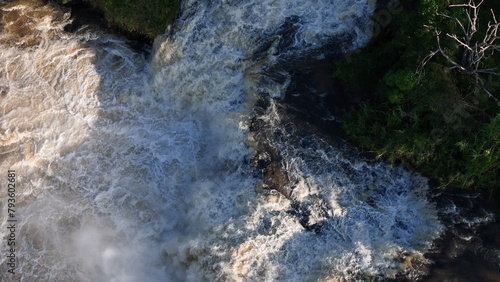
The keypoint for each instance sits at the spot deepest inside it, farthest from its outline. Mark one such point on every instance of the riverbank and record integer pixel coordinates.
(137, 20)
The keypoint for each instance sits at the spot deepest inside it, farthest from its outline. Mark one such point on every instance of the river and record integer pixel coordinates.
(182, 163)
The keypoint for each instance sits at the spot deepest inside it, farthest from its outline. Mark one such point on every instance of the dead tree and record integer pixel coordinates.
(474, 51)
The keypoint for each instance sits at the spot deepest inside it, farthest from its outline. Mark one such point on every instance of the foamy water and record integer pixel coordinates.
(130, 170)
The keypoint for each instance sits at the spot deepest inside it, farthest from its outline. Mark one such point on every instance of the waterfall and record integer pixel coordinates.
(137, 168)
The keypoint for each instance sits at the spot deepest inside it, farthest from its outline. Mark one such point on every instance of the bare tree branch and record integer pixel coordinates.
(473, 53)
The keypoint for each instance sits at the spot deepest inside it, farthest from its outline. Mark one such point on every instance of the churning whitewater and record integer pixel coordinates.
(138, 169)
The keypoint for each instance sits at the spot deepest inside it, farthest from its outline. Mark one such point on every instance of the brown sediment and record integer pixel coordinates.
(20, 25)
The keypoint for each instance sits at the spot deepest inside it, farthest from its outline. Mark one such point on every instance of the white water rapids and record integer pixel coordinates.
(137, 170)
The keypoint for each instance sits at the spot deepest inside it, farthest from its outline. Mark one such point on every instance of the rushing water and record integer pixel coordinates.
(140, 169)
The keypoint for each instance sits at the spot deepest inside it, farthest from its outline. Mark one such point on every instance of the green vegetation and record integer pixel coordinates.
(147, 18)
(437, 122)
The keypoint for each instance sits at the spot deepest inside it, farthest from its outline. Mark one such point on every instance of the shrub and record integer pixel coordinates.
(147, 18)
(436, 123)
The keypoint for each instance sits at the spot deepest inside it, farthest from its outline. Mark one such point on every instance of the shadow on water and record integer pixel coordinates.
(159, 168)
(469, 249)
